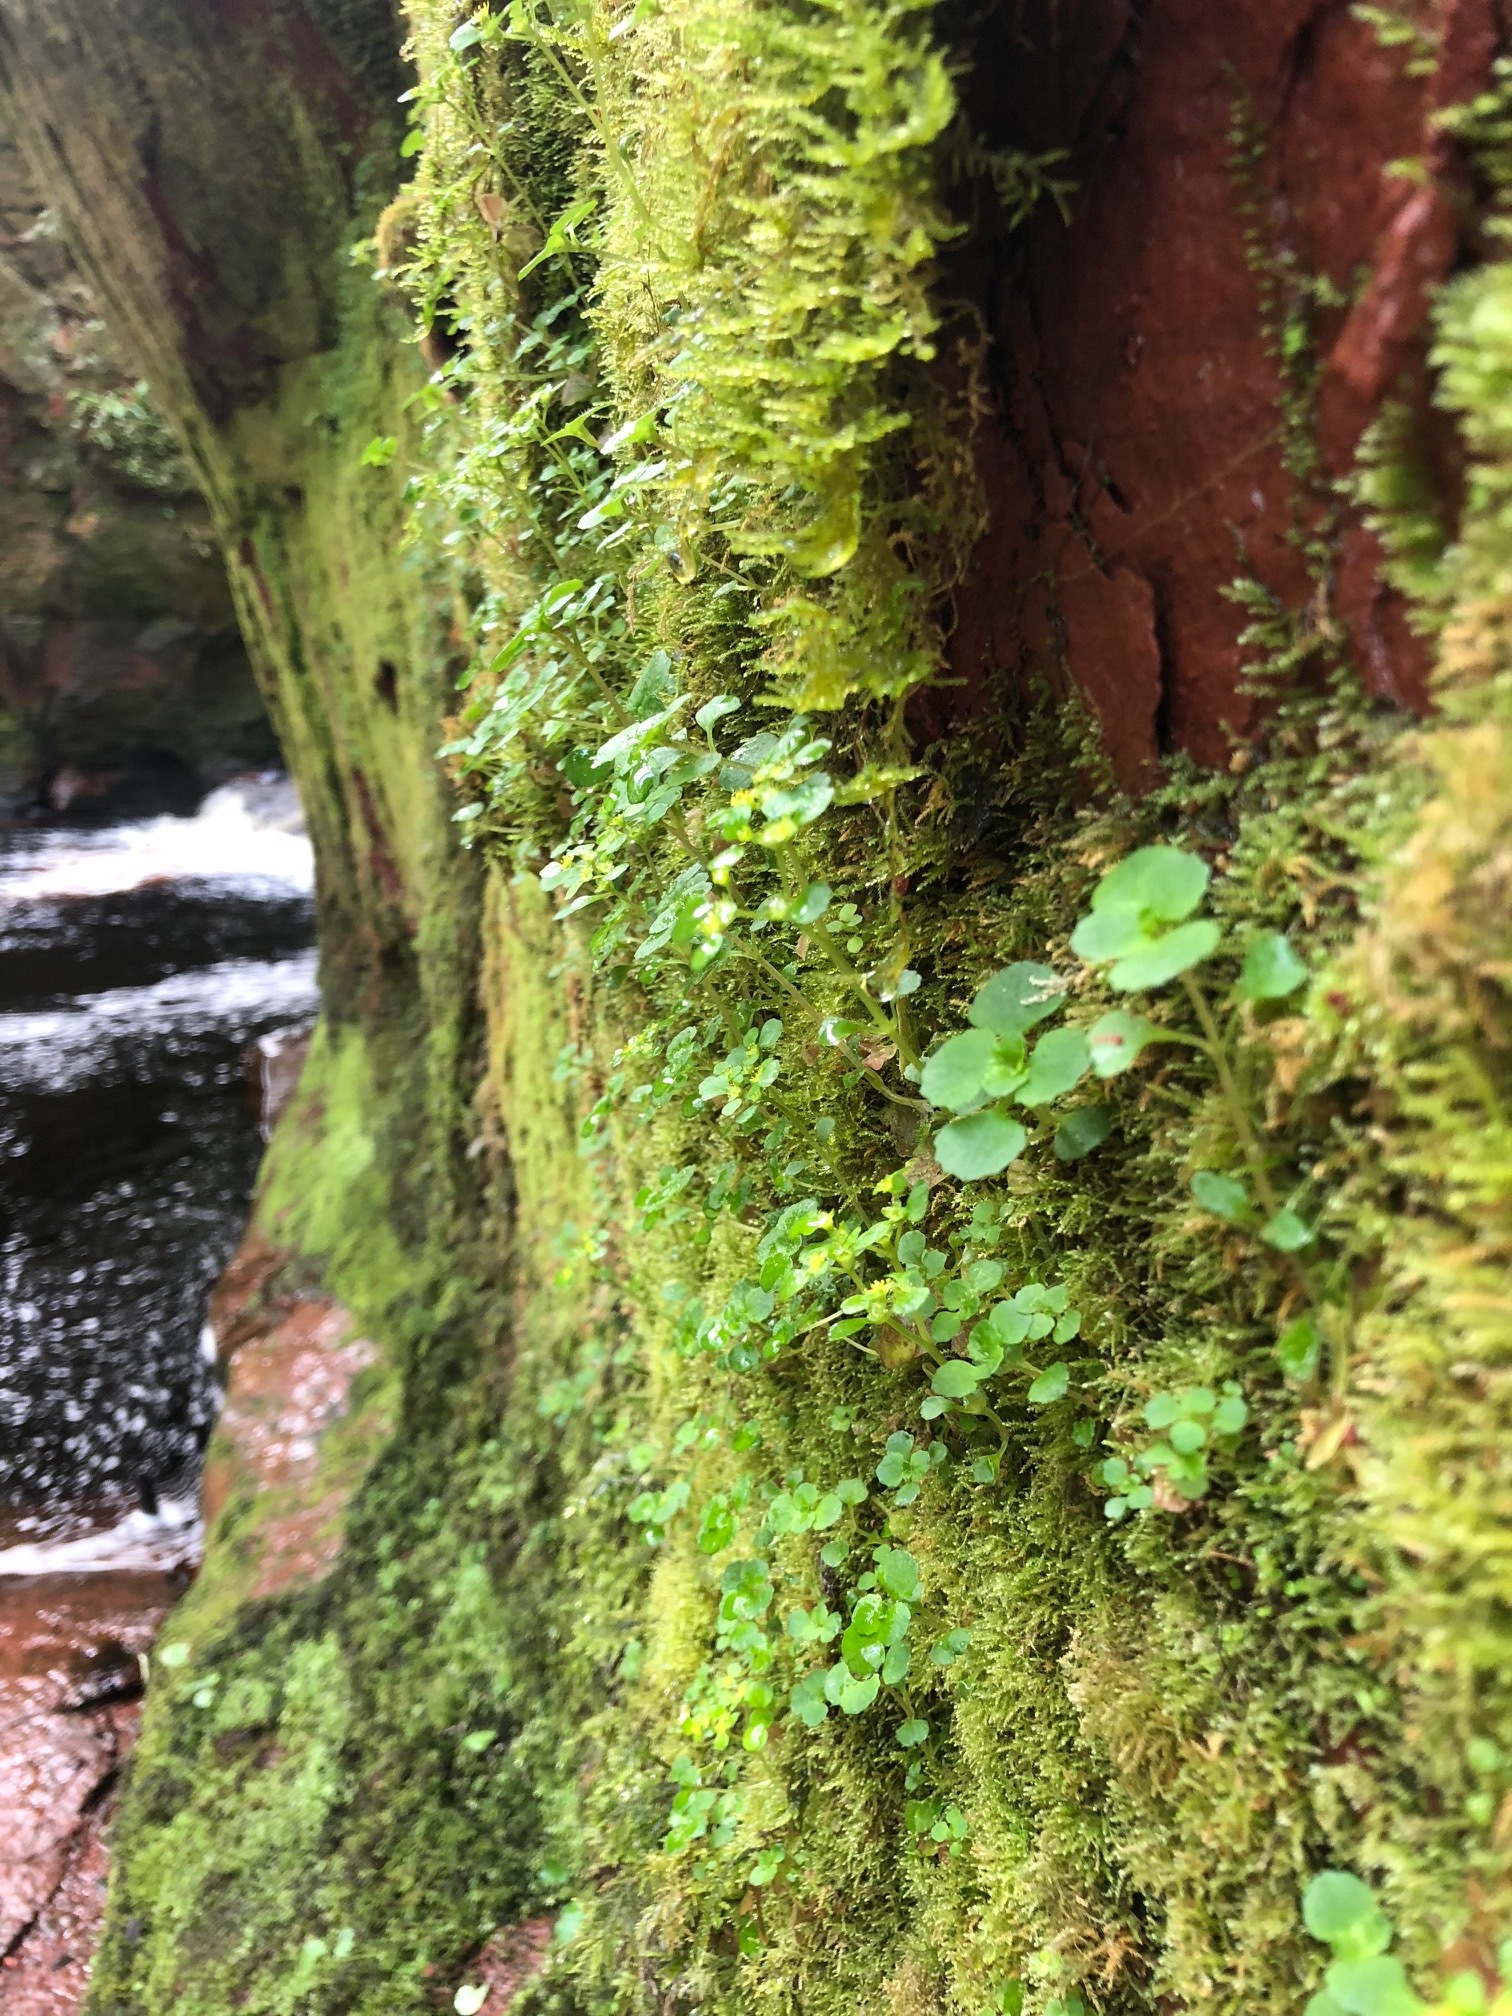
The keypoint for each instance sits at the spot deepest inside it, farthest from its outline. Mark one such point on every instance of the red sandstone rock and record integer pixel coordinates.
(1134, 461)
(69, 1672)
(290, 1363)
(510, 1961)
(49, 1972)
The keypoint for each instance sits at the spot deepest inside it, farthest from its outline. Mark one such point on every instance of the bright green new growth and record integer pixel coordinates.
(1134, 908)
(1363, 1979)
(1194, 1420)
(1128, 929)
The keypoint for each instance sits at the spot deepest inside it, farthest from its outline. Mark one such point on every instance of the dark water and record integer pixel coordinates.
(137, 965)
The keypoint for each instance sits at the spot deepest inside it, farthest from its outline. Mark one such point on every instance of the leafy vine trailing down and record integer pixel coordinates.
(674, 267)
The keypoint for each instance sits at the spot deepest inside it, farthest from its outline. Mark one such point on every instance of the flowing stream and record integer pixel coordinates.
(138, 963)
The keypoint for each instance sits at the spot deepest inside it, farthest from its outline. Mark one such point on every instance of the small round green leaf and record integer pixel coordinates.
(1230, 1416)
(715, 710)
(807, 1700)
(1165, 957)
(718, 1527)
(912, 1733)
(895, 1666)
(1375, 1987)
(1287, 1232)
(953, 1075)
(1224, 1196)
(898, 1573)
(955, 1379)
(1060, 1061)
(1167, 882)
(950, 1647)
(1337, 1906)
(797, 805)
(1008, 1323)
(1272, 970)
(1052, 1385)
(1016, 998)
(1110, 934)
(980, 1146)
(813, 903)
(1465, 1994)
(856, 1696)
(1116, 1039)
(1082, 1131)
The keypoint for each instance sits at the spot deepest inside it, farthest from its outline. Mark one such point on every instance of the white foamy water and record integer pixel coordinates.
(138, 965)
(171, 1537)
(249, 834)
(52, 1049)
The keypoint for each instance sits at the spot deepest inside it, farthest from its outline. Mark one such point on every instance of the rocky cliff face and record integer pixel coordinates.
(1275, 237)
(926, 1203)
(123, 680)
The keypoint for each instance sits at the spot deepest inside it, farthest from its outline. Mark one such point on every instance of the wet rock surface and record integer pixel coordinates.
(70, 1684)
(124, 686)
(1233, 170)
(289, 1362)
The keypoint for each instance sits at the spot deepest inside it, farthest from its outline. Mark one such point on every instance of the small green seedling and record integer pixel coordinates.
(1194, 1420)
(1141, 930)
(1141, 925)
(1363, 1979)
(990, 1066)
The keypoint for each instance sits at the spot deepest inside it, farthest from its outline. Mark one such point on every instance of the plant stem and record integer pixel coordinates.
(1239, 1113)
(1233, 1098)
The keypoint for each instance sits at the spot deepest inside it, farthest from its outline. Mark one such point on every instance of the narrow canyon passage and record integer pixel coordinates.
(869, 1374)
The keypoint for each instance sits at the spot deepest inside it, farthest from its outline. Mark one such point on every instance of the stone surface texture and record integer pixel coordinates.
(1134, 458)
(122, 675)
(70, 1681)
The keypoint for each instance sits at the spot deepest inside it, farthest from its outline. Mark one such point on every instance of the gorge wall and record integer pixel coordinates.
(123, 683)
(871, 470)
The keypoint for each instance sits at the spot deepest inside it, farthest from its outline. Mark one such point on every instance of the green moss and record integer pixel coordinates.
(308, 1823)
(322, 1189)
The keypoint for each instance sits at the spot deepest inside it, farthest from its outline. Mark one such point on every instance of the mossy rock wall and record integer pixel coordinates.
(719, 1596)
(123, 681)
